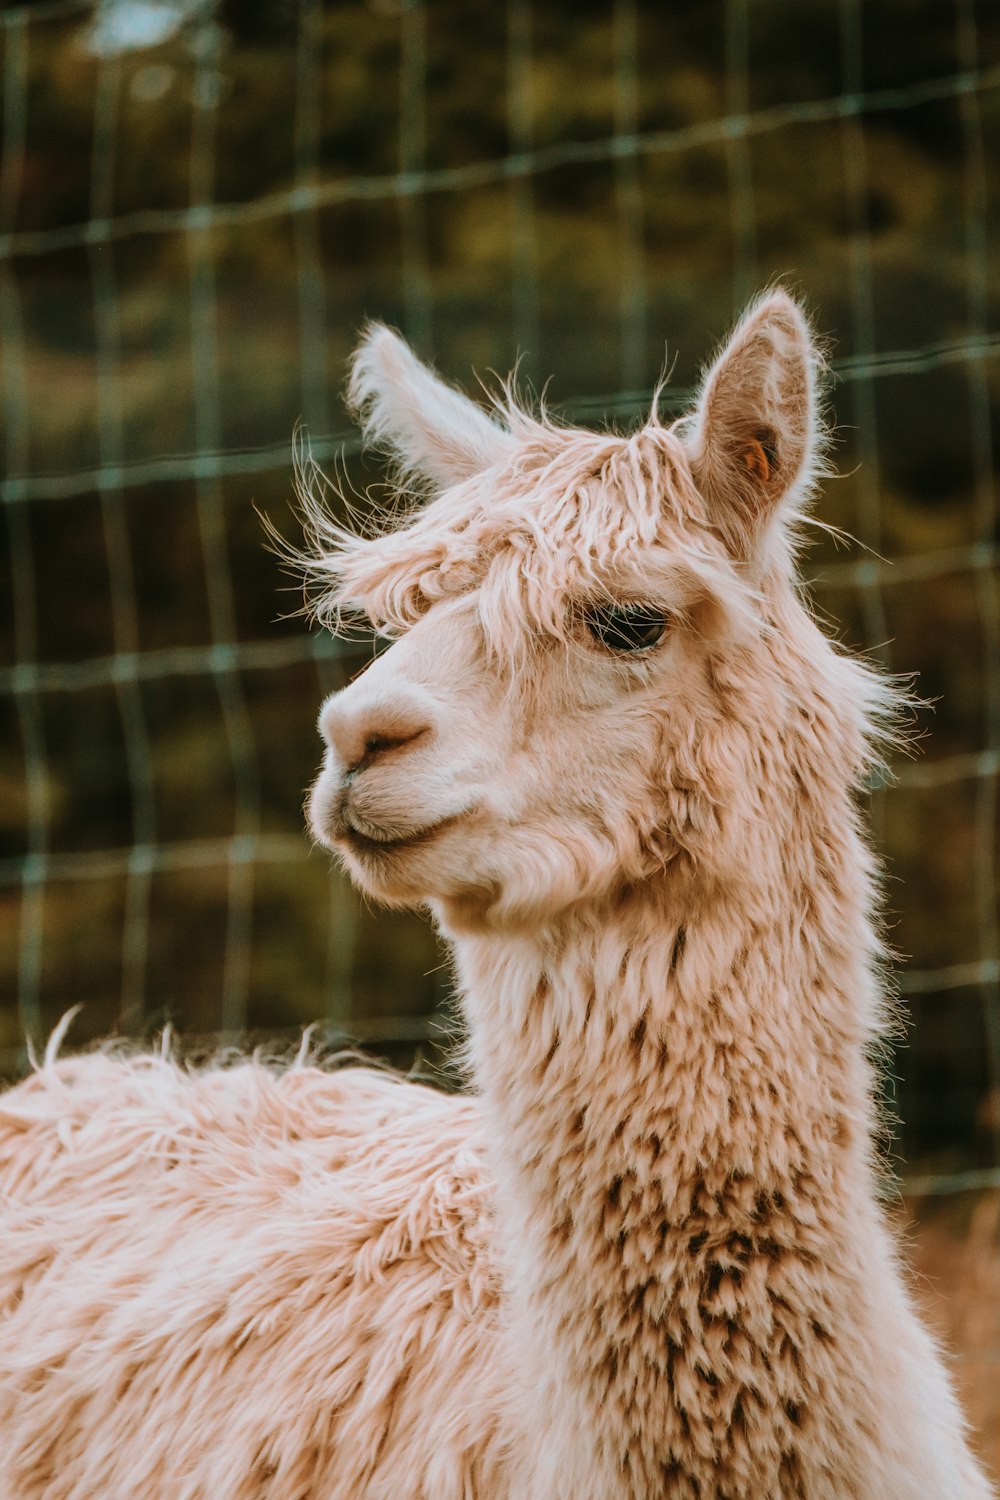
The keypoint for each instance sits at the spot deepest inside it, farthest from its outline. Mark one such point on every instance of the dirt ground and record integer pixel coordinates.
(955, 1251)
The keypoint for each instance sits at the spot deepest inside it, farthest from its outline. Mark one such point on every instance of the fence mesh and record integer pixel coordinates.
(192, 227)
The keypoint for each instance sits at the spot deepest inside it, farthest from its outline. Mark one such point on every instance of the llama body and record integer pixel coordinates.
(244, 1285)
(614, 754)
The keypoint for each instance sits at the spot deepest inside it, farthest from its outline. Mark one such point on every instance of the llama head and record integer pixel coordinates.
(598, 651)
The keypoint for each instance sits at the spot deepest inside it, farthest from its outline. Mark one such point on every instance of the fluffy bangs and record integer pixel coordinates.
(571, 517)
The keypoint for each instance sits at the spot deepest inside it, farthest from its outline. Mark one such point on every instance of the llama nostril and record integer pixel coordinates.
(361, 725)
(376, 745)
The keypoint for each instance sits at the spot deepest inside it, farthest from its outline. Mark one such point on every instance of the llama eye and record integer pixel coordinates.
(626, 627)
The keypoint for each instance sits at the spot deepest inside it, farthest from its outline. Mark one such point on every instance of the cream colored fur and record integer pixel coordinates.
(649, 1258)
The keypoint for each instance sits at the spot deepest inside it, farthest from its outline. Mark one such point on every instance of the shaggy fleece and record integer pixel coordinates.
(242, 1283)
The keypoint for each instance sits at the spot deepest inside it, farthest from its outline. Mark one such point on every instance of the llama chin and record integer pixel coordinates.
(615, 755)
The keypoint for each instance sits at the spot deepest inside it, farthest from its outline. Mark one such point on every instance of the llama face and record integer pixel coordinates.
(565, 609)
(480, 764)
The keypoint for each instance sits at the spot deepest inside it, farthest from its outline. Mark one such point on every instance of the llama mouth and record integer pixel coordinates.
(364, 843)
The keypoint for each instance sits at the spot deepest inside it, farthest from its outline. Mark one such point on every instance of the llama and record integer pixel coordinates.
(616, 758)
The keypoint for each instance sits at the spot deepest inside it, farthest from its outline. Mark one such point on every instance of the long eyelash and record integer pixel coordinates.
(623, 627)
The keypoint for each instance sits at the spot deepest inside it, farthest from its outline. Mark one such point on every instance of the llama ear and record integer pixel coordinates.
(753, 436)
(435, 432)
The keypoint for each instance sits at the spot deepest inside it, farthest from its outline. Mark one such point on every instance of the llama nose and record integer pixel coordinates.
(363, 732)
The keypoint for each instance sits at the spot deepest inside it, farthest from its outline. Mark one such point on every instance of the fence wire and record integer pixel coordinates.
(414, 190)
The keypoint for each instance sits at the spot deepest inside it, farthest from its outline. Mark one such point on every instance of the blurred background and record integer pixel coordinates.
(201, 201)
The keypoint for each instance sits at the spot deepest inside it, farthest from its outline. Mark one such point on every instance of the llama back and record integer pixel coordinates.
(241, 1282)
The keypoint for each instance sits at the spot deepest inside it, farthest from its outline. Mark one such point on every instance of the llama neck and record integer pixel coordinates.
(677, 1110)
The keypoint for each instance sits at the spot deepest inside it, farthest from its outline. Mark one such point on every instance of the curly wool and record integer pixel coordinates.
(238, 1283)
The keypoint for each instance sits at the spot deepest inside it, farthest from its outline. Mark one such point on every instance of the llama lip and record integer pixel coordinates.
(363, 843)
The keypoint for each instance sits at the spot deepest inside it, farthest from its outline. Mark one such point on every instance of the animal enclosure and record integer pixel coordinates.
(195, 222)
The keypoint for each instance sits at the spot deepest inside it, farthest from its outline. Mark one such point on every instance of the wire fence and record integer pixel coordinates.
(223, 919)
